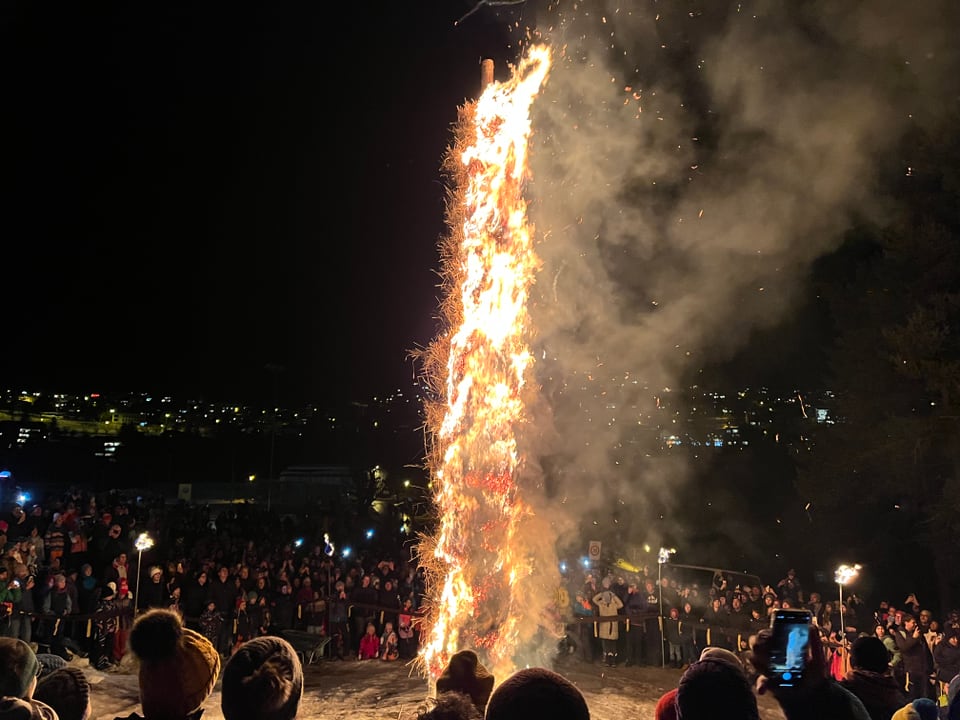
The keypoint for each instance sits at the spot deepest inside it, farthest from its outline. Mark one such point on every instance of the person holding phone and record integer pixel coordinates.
(815, 695)
(917, 661)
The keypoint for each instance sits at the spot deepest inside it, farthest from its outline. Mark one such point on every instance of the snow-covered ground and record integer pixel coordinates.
(375, 690)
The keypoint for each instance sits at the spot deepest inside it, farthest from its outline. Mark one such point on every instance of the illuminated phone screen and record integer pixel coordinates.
(789, 646)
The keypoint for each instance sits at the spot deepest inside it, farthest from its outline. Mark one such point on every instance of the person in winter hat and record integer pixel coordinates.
(919, 709)
(450, 706)
(465, 674)
(263, 680)
(19, 669)
(67, 691)
(666, 708)
(870, 678)
(178, 667)
(537, 693)
(952, 710)
(716, 687)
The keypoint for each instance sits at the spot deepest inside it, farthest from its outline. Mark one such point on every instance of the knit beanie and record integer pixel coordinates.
(18, 709)
(919, 709)
(869, 653)
(466, 674)
(537, 693)
(716, 687)
(18, 667)
(49, 662)
(666, 706)
(67, 691)
(178, 666)
(262, 681)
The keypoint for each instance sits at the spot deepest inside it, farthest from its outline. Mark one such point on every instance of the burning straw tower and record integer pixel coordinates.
(492, 567)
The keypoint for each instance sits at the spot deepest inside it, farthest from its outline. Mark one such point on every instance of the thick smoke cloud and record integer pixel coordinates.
(690, 163)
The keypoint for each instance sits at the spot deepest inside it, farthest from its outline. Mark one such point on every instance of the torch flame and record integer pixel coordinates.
(477, 562)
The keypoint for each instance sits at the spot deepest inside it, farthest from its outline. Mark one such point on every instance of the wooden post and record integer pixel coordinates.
(486, 74)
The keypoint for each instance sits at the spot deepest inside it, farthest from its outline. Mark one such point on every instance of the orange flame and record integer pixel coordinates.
(478, 557)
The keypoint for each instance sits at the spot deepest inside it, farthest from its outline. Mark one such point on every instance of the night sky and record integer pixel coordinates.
(246, 203)
(193, 193)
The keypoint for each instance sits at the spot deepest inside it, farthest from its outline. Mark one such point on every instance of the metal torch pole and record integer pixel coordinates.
(136, 591)
(663, 652)
(843, 631)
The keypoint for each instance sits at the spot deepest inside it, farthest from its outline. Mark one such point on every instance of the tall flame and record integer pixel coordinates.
(479, 560)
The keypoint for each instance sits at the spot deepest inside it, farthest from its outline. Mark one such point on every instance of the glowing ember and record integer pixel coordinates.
(480, 563)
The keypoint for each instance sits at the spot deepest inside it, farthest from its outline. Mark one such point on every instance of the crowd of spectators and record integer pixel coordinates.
(71, 577)
(72, 581)
(640, 621)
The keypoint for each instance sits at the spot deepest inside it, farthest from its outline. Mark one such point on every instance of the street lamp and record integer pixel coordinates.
(663, 556)
(143, 542)
(843, 575)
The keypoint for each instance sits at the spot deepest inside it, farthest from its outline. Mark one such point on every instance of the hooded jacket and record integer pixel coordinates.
(878, 692)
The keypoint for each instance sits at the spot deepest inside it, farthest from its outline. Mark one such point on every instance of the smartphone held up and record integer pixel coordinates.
(789, 646)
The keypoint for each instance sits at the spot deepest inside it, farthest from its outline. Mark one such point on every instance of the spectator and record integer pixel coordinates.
(88, 590)
(609, 606)
(21, 620)
(870, 678)
(817, 696)
(37, 548)
(450, 706)
(114, 547)
(178, 667)
(369, 644)
(118, 569)
(18, 525)
(55, 539)
(408, 642)
(262, 681)
(193, 599)
(634, 608)
(57, 605)
(223, 593)
(11, 596)
(243, 624)
(671, 632)
(67, 691)
(210, 622)
(716, 687)
(363, 599)
(537, 693)
(917, 664)
(389, 643)
(388, 598)
(283, 608)
(790, 589)
(946, 657)
(104, 628)
(688, 627)
(19, 669)
(919, 709)
(153, 594)
(666, 708)
(465, 674)
(652, 637)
